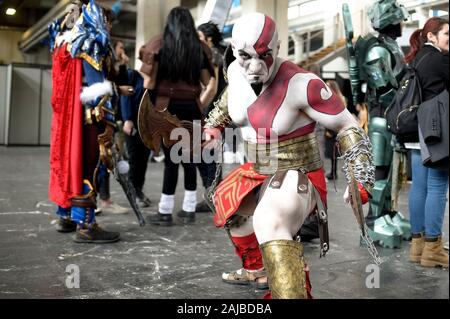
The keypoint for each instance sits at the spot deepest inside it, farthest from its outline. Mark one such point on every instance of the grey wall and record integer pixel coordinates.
(24, 106)
(29, 108)
(46, 109)
(3, 96)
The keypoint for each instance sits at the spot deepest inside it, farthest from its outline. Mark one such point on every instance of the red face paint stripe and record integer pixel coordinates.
(332, 106)
(268, 61)
(262, 44)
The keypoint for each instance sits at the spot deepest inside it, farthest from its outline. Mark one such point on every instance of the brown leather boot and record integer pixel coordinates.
(434, 254)
(93, 234)
(417, 244)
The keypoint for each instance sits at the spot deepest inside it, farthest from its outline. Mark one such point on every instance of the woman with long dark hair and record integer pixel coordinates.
(427, 196)
(178, 72)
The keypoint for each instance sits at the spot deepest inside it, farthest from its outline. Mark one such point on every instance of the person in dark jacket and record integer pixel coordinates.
(427, 196)
(138, 153)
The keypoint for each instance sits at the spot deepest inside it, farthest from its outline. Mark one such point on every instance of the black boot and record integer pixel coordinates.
(143, 200)
(202, 207)
(330, 176)
(160, 219)
(66, 225)
(333, 174)
(186, 217)
(93, 234)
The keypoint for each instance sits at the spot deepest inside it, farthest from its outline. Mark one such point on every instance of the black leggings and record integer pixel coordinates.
(138, 155)
(171, 174)
(185, 110)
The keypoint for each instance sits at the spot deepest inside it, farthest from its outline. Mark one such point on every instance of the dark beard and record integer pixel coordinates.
(257, 87)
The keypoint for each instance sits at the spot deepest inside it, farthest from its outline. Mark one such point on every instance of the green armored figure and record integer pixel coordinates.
(376, 63)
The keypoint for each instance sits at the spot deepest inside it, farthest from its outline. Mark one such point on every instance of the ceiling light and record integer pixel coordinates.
(10, 11)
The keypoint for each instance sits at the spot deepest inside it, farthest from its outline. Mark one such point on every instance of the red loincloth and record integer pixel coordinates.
(241, 181)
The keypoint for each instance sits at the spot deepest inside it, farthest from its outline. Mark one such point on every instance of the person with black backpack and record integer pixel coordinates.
(427, 196)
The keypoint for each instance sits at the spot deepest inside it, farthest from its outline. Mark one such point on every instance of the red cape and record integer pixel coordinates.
(66, 133)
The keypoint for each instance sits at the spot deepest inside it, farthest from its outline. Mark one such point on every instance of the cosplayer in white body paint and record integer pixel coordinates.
(277, 104)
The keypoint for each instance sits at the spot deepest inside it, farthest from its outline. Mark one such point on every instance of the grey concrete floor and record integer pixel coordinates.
(183, 261)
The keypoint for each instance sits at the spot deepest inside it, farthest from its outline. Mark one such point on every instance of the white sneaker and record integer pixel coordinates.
(97, 211)
(113, 208)
(159, 158)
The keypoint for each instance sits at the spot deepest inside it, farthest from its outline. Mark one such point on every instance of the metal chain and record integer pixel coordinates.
(363, 172)
(371, 246)
(211, 189)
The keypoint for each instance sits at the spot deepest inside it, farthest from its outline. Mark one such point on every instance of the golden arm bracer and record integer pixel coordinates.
(219, 117)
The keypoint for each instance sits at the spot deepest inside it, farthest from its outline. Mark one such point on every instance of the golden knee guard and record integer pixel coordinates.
(284, 263)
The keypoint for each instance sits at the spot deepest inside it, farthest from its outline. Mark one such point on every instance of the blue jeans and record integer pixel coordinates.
(427, 197)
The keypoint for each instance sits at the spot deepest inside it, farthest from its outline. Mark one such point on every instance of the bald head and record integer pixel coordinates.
(255, 45)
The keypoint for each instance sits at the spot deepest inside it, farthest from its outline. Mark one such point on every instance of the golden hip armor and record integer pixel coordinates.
(301, 153)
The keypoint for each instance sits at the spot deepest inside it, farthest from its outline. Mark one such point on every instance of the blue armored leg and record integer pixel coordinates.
(84, 206)
(65, 224)
(83, 213)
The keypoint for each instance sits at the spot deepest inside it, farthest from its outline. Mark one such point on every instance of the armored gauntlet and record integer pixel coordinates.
(356, 149)
(219, 117)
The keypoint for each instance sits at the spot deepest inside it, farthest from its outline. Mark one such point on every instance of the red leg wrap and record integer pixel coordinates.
(308, 285)
(247, 248)
(268, 295)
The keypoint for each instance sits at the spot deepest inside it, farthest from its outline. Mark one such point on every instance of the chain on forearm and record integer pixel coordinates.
(219, 117)
(363, 170)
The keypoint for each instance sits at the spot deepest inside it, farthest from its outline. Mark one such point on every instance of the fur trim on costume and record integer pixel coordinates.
(63, 38)
(91, 93)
